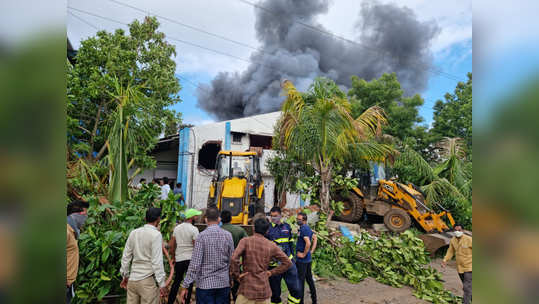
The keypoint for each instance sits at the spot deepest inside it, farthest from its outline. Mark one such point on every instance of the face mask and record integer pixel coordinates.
(276, 219)
(300, 223)
(458, 233)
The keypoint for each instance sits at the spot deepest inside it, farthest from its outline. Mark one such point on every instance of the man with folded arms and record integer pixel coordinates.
(256, 253)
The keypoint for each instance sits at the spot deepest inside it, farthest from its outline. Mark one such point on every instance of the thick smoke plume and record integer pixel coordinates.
(390, 39)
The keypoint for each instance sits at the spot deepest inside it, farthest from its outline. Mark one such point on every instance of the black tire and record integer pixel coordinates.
(397, 220)
(353, 208)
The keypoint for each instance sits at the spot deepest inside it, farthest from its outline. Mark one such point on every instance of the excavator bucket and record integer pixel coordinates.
(435, 241)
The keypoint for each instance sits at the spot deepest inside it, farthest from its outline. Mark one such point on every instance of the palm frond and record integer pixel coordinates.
(369, 123)
(439, 189)
(452, 147)
(412, 158)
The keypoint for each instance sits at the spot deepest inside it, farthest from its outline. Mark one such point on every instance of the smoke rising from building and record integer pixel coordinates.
(390, 39)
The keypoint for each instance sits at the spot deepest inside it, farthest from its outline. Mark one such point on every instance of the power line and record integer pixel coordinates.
(146, 12)
(84, 21)
(185, 42)
(313, 28)
(96, 15)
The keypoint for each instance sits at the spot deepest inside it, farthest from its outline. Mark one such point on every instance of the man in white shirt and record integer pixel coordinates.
(165, 188)
(181, 247)
(144, 249)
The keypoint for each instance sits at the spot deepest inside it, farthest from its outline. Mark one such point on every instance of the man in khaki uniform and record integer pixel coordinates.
(461, 247)
(144, 249)
(72, 251)
(76, 216)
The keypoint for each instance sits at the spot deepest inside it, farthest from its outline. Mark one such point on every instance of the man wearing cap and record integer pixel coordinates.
(181, 247)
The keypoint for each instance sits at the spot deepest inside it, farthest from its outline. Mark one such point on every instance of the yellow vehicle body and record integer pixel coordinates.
(394, 195)
(412, 201)
(237, 193)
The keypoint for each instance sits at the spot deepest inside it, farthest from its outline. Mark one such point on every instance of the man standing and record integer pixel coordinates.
(303, 257)
(210, 263)
(181, 247)
(165, 188)
(257, 252)
(237, 234)
(144, 247)
(75, 220)
(281, 234)
(461, 247)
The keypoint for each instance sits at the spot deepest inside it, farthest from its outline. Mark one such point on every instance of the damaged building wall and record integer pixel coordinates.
(258, 129)
(190, 156)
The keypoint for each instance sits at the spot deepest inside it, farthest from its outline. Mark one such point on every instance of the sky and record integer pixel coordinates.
(234, 19)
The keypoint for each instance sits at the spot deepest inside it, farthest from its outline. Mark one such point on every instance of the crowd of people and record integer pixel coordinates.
(222, 261)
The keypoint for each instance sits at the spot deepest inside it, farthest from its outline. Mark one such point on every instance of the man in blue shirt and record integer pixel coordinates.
(281, 234)
(303, 256)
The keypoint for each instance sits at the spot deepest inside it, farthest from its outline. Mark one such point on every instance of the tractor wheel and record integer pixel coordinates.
(353, 208)
(397, 220)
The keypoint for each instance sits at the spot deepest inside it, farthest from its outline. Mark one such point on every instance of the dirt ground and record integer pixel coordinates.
(368, 291)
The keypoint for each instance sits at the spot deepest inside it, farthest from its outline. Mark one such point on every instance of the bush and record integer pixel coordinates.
(104, 235)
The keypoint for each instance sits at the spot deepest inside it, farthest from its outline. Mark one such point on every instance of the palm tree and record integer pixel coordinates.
(451, 178)
(317, 128)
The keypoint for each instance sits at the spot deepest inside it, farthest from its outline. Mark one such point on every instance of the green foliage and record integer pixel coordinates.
(309, 189)
(397, 260)
(316, 129)
(453, 117)
(402, 112)
(141, 59)
(447, 184)
(104, 235)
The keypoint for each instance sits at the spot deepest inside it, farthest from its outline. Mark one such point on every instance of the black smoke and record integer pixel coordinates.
(389, 39)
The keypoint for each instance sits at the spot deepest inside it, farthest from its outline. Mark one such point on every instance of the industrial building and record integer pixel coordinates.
(189, 157)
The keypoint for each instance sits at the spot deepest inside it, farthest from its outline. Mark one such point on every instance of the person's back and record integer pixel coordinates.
(210, 262)
(236, 231)
(217, 247)
(184, 234)
(256, 252)
(141, 241)
(142, 262)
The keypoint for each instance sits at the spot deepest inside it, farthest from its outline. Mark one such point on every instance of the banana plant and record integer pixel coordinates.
(126, 96)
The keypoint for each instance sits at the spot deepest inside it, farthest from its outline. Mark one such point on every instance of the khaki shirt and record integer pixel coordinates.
(72, 253)
(462, 249)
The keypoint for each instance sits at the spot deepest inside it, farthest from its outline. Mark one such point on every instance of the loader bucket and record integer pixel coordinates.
(435, 241)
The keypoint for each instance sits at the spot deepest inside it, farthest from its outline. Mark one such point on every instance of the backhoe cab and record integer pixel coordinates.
(237, 185)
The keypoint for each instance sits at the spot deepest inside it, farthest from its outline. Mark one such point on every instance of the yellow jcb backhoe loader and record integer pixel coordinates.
(398, 203)
(237, 186)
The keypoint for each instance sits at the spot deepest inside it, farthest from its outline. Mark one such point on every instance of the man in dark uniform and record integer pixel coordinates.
(281, 234)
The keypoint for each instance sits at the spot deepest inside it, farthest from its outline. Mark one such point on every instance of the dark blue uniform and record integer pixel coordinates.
(281, 234)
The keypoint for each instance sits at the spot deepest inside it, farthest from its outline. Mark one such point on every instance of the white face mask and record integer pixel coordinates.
(458, 233)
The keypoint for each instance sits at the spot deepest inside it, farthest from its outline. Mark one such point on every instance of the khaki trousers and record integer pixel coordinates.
(243, 300)
(143, 291)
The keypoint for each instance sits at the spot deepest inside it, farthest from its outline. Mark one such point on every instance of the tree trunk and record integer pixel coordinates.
(325, 180)
(94, 131)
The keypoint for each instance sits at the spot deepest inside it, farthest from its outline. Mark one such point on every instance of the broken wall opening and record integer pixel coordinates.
(260, 141)
(207, 155)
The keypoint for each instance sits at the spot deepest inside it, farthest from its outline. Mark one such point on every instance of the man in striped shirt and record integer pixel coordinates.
(210, 263)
